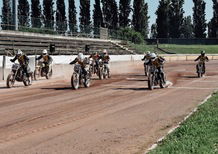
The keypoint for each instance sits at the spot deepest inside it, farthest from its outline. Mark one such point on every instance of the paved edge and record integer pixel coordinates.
(154, 146)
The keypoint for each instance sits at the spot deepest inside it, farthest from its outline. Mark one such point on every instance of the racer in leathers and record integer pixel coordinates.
(202, 59)
(106, 58)
(47, 59)
(95, 58)
(82, 61)
(158, 62)
(23, 61)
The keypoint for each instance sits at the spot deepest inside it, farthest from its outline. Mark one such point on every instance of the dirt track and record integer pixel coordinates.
(114, 116)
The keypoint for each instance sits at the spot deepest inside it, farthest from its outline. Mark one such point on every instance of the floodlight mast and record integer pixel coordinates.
(14, 14)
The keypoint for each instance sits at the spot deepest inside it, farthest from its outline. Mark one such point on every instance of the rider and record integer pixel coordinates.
(147, 56)
(106, 58)
(82, 62)
(23, 61)
(158, 62)
(47, 59)
(95, 58)
(202, 58)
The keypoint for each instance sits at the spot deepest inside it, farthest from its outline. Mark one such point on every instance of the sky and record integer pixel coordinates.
(152, 6)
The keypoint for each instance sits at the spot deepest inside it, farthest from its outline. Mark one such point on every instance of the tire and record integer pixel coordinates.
(75, 81)
(36, 74)
(162, 81)
(87, 83)
(146, 70)
(104, 73)
(199, 75)
(150, 83)
(10, 82)
(27, 81)
(100, 74)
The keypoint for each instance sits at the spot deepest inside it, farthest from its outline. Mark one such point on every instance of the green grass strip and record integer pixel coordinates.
(198, 134)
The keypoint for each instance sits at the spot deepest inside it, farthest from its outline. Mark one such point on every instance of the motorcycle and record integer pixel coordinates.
(156, 77)
(200, 69)
(103, 71)
(43, 70)
(78, 78)
(18, 75)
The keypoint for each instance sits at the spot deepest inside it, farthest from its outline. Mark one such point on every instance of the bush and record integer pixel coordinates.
(37, 30)
(129, 34)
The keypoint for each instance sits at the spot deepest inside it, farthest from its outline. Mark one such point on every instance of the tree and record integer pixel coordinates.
(36, 13)
(23, 13)
(140, 17)
(162, 20)
(176, 18)
(199, 21)
(48, 14)
(61, 22)
(97, 17)
(187, 28)
(85, 21)
(72, 16)
(153, 31)
(110, 13)
(125, 10)
(6, 15)
(213, 24)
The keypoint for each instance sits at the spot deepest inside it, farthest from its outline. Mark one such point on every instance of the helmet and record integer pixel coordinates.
(203, 52)
(80, 56)
(19, 52)
(153, 55)
(148, 52)
(44, 52)
(104, 51)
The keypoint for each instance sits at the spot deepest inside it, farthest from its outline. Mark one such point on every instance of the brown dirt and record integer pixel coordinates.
(119, 115)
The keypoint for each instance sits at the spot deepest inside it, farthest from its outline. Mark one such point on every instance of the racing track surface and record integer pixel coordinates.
(119, 115)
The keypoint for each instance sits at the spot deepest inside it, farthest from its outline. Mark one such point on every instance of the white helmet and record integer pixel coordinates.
(105, 51)
(153, 55)
(19, 52)
(80, 56)
(148, 52)
(44, 52)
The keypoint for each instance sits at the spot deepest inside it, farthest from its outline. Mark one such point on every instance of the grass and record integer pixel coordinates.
(179, 49)
(199, 134)
(190, 49)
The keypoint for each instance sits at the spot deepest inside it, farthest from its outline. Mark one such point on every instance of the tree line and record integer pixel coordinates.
(170, 22)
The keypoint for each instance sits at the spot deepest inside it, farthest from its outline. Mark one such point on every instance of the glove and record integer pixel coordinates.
(11, 60)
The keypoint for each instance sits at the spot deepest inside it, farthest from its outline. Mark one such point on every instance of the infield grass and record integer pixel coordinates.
(197, 135)
(179, 49)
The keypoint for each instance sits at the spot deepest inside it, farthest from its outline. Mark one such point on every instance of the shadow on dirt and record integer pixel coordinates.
(137, 80)
(189, 77)
(134, 89)
(61, 88)
(4, 88)
(136, 75)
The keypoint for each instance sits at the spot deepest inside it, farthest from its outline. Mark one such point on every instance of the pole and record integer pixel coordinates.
(3, 67)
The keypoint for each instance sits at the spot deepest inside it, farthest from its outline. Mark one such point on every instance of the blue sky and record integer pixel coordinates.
(153, 4)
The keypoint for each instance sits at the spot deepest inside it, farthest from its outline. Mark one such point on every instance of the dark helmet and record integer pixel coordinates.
(203, 52)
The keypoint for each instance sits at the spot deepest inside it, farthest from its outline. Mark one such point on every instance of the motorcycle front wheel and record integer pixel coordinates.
(75, 81)
(10, 81)
(151, 82)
